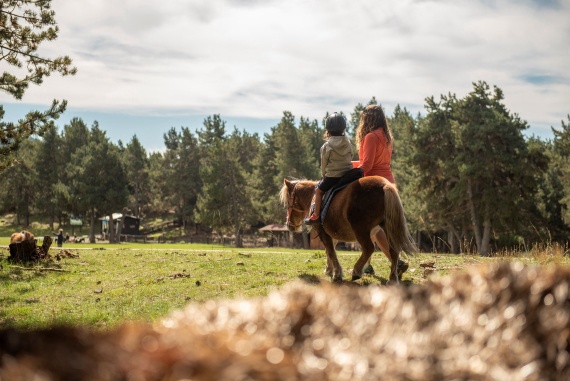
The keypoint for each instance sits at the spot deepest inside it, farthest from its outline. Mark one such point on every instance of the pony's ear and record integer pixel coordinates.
(288, 184)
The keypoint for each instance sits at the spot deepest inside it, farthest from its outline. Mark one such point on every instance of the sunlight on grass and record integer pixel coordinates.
(108, 284)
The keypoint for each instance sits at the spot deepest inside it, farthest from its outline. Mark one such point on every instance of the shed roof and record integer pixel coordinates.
(274, 228)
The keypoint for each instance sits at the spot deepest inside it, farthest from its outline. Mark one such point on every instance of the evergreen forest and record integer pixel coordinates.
(469, 178)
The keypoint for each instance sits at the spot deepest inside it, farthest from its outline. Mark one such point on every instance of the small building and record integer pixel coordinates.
(278, 234)
(314, 241)
(131, 225)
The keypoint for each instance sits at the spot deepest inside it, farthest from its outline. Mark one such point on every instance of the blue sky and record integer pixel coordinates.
(145, 67)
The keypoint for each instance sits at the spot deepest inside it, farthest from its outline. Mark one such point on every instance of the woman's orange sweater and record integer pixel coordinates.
(375, 155)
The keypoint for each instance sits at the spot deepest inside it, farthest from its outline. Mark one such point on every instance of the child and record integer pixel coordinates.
(336, 160)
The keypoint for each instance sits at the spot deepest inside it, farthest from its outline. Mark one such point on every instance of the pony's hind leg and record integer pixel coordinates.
(394, 278)
(379, 236)
(367, 249)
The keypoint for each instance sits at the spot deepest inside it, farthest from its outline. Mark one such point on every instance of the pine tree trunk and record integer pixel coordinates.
(237, 233)
(454, 239)
(92, 228)
(484, 251)
(111, 229)
(474, 219)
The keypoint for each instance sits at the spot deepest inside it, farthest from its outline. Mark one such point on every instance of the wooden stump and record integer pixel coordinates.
(28, 251)
(43, 250)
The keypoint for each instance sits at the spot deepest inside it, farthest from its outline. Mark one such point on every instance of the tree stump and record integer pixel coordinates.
(28, 251)
(43, 250)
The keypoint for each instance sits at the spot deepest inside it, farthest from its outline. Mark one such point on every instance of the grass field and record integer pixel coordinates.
(102, 285)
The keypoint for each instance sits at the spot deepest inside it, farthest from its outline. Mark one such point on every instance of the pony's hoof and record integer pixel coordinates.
(369, 270)
(337, 279)
(402, 268)
(356, 277)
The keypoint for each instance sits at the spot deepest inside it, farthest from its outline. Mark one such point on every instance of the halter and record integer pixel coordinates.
(292, 208)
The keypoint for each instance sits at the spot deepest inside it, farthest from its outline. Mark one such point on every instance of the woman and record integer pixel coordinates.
(375, 142)
(374, 139)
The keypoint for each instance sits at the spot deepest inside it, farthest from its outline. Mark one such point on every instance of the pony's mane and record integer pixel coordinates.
(284, 193)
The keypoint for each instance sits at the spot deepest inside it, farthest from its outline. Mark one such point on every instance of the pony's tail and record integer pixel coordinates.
(396, 227)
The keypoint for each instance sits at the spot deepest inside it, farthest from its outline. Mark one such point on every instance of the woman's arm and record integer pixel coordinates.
(367, 153)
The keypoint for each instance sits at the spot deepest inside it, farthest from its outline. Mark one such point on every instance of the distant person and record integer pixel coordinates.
(74, 237)
(66, 239)
(59, 238)
(336, 161)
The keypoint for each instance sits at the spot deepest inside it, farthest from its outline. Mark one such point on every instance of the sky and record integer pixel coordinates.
(147, 66)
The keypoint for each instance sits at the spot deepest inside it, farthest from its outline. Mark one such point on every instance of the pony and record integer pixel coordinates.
(360, 212)
(18, 237)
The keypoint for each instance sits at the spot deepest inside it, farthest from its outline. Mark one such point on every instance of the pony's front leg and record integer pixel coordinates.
(333, 269)
(329, 268)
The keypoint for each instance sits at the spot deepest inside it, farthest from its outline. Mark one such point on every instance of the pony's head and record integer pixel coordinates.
(296, 195)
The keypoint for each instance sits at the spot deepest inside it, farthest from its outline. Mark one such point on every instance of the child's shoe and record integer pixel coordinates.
(313, 220)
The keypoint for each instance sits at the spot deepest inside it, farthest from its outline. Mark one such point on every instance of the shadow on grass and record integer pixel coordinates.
(384, 280)
(363, 282)
(310, 278)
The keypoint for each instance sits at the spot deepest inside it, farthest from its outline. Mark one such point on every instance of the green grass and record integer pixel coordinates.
(109, 284)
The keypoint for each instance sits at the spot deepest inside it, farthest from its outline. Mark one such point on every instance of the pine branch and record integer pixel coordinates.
(26, 54)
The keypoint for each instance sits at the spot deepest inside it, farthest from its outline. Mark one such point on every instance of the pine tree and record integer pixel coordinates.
(403, 127)
(136, 164)
(17, 184)
(26, 25)
(74, 136)
(561, 149)
(49, 168)
(264, 187)
(99, 184)
(311, 137)
(437, 171)
(182, 174)
(474, 161)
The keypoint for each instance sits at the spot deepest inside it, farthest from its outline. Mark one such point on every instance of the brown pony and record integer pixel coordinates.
(18, 237)
(359, 212)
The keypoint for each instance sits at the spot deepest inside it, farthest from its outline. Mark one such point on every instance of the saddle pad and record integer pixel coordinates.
(352, 175)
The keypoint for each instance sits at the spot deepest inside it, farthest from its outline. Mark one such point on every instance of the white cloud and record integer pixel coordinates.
(258, 58)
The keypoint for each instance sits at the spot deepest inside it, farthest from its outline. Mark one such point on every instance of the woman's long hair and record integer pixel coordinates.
(372, 118)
